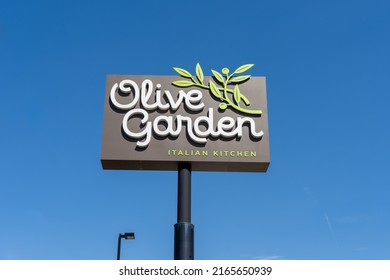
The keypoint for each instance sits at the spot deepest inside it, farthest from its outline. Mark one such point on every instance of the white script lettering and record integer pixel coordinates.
(198, 130)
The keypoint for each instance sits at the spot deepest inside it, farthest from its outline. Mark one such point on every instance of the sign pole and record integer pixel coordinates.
(184, 230)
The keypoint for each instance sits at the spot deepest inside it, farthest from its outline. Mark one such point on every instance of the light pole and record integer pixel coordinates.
(127, 235)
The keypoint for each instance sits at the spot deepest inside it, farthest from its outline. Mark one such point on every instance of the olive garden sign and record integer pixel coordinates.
(216, 123)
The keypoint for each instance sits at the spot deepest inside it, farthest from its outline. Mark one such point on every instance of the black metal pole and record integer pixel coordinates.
(184, 230)
(118, 256)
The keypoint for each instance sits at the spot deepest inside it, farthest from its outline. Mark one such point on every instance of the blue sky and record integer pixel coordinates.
(326, 194)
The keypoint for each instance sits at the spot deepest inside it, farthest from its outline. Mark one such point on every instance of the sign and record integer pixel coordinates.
(217, 123)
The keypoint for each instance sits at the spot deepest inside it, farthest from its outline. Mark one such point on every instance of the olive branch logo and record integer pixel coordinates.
(220, 89)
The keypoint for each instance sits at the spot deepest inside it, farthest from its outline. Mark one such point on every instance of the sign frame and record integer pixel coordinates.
(214, 135)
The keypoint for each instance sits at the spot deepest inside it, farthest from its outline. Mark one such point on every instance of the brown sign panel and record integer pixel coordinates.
(155, 122)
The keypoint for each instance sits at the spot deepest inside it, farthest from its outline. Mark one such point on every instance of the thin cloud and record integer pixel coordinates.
(331, 229)
(329, 226)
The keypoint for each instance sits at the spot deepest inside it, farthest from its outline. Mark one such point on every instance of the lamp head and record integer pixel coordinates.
(128, 235)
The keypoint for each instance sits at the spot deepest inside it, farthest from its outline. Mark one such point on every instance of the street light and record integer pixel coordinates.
(127, 235)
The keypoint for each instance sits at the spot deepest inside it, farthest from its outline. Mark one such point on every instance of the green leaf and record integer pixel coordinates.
(240, 79)
(183, 83)
(237, 94)
(214, 90)
(218, 76)
(246, 101)
(182, 72)
(199, 73)
(243, 68)
(223, 106)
